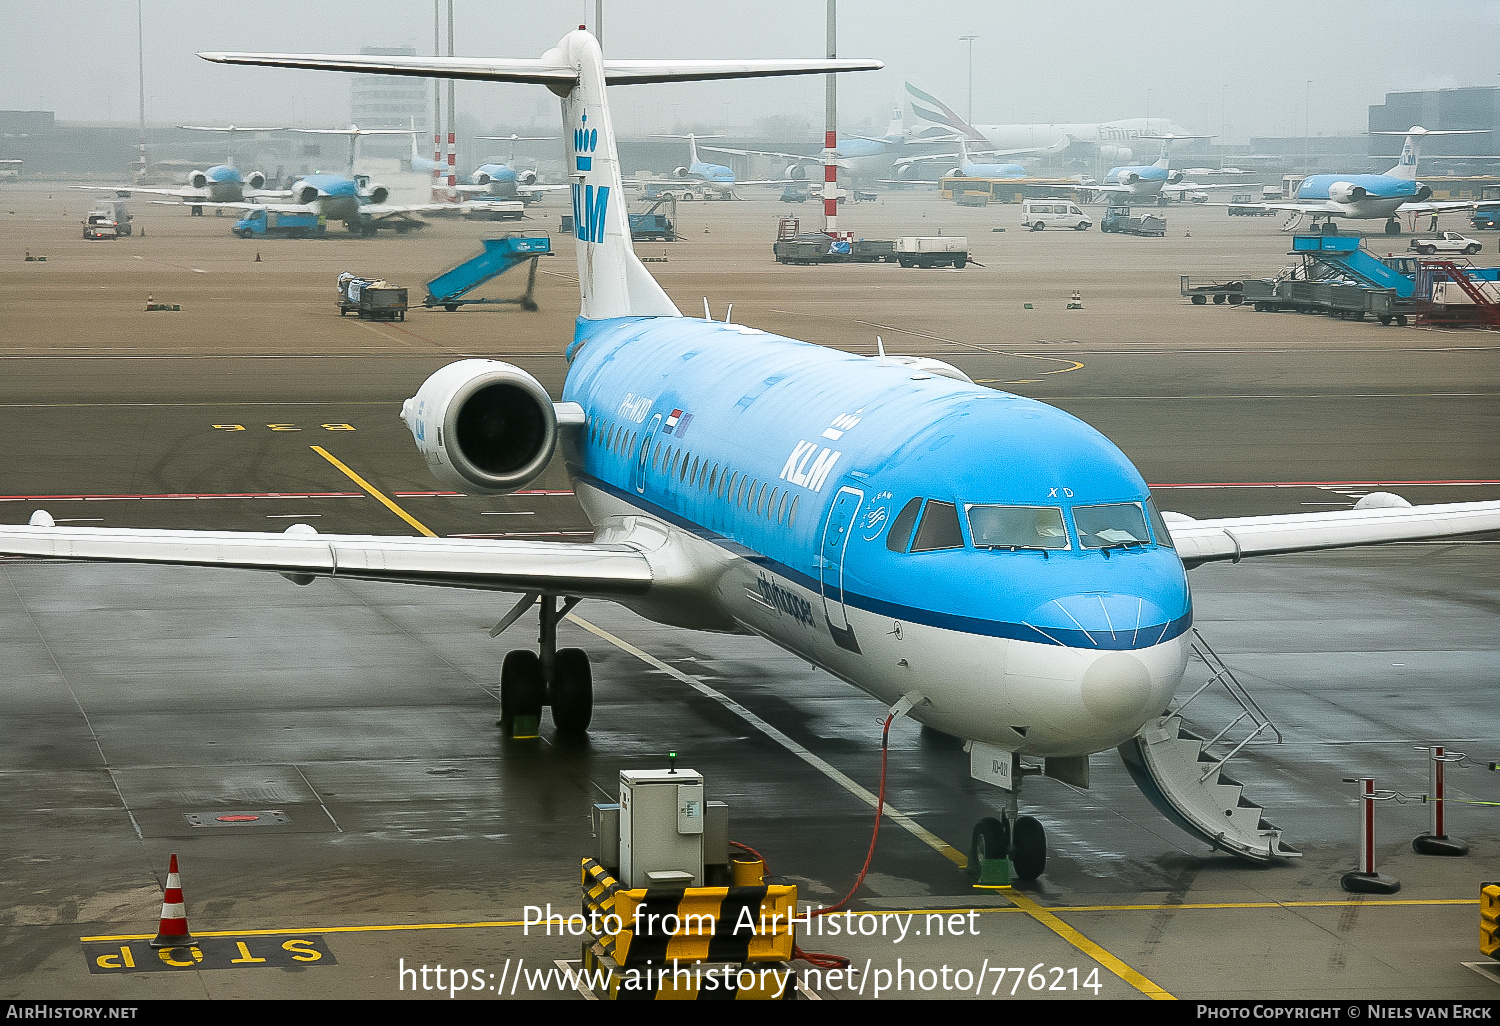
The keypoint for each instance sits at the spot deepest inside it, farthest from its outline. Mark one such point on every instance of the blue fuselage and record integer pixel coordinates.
(797, 462)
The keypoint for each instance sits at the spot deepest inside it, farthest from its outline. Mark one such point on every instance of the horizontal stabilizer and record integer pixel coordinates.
(546, 70)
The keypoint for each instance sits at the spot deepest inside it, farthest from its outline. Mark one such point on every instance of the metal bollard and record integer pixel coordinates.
(1437, 842)
(1366, 880)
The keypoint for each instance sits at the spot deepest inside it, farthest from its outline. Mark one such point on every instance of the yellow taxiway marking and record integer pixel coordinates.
(413, 521)
(1048, 918)
(918, 831)
(988, 910)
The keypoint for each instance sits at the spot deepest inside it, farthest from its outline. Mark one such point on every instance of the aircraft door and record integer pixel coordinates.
(831, 554)
(638, 476)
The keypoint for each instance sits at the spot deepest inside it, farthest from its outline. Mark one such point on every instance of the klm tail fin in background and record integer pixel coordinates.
(612, 281)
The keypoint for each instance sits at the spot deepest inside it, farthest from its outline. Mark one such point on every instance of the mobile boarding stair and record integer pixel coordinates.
(450, 289)
(1183, 774)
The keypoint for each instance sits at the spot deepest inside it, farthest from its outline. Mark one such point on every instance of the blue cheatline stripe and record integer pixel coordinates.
(1145, 636)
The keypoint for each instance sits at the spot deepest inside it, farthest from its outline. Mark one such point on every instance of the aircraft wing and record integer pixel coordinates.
(379, 210)
(1437, 207)
(185, 195)
(1234, 538)
(590, 571)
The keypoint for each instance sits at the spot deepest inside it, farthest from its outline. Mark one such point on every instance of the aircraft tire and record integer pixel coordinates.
(991, 840)
(521, 688)
(572, 691)
(1393, 227)
(1028, 848)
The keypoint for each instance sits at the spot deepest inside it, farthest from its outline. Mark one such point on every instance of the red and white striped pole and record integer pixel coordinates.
(1365, 880)
(1438, 842)
(173, 932)
(831, 131)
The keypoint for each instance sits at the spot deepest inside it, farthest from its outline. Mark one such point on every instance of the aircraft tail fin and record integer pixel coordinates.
(613, 282)
(926, 107)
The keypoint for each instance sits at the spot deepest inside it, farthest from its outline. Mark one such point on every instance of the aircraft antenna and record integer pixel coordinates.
(880, 347)
(728, 312)
(706, 315)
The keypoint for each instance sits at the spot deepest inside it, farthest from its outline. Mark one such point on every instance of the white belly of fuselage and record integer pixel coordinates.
(1042, 700)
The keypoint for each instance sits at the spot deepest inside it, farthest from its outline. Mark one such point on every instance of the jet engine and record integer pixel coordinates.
(796, 172)
(378, 193)
(256, 179)
(1346, 192)
(956, 172)
(1129, 177)
(484, 427)
(304, 193)
(526, 176)
(1173, 177)
(198, 180)
(680, 172)
(1116, 154)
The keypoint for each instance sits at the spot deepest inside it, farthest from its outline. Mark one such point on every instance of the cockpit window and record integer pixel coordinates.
(1159, 526)
(1017, 527)
(939, 528)
(899, 536)
(1119, 523)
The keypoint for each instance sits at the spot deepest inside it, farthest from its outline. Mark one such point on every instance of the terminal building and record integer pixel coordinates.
(390, 101)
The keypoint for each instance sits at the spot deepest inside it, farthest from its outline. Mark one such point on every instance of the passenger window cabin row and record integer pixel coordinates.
(668, 462)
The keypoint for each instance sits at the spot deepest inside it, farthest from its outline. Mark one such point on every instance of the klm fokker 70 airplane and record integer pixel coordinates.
(986, 561)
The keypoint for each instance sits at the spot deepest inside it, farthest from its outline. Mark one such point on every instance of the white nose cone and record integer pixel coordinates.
(41, 518)
(1117, 686)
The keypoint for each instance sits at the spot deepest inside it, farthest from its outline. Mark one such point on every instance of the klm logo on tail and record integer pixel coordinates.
(590, 203)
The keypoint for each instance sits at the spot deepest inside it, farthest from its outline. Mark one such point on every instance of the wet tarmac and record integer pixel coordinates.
(140, 702)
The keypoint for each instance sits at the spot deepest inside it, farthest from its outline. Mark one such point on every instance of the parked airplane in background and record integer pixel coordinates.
(984, 561)
(858, 157)
(220, 185)
(355, 134)
(717, 178)
(357, 201)
(1148, 183)
(1371, 197)
(1105, 140)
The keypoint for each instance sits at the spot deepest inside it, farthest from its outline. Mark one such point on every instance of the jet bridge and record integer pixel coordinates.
(450, 289)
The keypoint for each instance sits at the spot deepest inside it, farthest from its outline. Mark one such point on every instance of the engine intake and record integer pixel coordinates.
(256, 180)
(198, 180)
(680, 172)
(378, 194)
(484, 427)
(305, 194)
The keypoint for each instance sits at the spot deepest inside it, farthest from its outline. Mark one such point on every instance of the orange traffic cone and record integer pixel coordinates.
(173, 932)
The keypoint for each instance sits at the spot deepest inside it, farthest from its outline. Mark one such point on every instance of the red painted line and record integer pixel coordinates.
(461, 495)
(184, 495)
(1323, 484)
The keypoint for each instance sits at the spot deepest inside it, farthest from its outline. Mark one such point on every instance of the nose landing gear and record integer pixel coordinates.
(529, 680)
(1025, 844)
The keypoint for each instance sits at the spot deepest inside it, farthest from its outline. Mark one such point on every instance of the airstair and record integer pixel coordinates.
(450, 289)
(1344, 256)
(1449, 296)
(1182, 773)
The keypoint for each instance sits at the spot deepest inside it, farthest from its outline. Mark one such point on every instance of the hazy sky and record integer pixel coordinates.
(1243, 65)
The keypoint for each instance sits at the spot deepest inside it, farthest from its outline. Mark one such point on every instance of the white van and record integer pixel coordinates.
(1039, 214)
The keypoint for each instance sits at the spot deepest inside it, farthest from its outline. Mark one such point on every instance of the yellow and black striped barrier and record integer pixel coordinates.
(688, 924)
(692, 981)
(1489, 920)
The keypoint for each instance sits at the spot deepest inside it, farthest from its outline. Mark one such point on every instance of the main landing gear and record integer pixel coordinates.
(560, 678)
(1393, 227)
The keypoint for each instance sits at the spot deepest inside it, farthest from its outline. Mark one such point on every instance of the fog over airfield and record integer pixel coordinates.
(1246, 67)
